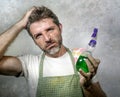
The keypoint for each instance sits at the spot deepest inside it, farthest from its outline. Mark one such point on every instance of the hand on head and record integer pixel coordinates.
(24, 20)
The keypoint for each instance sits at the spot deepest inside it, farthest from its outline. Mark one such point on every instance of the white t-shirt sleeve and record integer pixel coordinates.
(29, 64)
(25, 63)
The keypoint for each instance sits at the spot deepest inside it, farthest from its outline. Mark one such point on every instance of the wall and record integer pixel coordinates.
(78, 17)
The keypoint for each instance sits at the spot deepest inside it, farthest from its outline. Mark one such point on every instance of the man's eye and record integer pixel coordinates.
(38, 36)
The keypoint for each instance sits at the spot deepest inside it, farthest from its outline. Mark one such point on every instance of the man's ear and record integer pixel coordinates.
(60, 27)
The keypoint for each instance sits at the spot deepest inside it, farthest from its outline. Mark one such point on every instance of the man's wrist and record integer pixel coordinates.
(21, 24)
(87, 85)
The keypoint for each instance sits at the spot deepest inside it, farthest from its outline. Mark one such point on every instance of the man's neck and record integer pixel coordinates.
(61, 52)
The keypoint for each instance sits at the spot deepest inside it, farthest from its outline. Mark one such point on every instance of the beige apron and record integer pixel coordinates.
(59, 86)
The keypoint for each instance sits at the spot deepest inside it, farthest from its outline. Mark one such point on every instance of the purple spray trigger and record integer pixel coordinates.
(94, 32)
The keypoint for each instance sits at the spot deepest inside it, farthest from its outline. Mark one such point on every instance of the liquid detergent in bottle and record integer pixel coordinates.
(81, 64)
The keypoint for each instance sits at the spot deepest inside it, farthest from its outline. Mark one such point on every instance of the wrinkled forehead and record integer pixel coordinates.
(41, 25)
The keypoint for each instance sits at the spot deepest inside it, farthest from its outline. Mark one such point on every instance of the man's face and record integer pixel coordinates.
(47, 35)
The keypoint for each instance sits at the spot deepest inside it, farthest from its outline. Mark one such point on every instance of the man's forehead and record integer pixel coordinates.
(42, 25)
(43, 22)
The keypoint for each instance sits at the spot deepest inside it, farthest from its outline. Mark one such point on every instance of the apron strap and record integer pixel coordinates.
(41, 65)
(72, 59)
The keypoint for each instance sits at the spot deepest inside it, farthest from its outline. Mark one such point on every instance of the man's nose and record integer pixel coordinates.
(47, 37)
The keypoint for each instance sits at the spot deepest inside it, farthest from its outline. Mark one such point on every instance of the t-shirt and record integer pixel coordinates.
(60, 66)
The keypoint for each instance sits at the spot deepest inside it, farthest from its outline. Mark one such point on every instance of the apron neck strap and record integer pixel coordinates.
(72, 59)
(41, 64)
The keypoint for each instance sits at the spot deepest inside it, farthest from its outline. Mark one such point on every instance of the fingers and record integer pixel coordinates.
(92, 64)
(84, 77)
(24, 20)
(30, 11)
(34, 7)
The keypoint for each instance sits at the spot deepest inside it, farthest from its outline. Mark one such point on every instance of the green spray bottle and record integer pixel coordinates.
(81, 64)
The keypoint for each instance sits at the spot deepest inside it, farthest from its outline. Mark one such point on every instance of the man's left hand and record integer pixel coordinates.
(86, 78)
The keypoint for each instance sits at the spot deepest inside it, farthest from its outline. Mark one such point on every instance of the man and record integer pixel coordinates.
(52, 73)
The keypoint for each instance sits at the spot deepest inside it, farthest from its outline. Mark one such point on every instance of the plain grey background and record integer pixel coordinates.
(79, 17)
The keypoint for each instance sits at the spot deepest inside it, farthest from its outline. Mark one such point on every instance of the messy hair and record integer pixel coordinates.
(40, 13)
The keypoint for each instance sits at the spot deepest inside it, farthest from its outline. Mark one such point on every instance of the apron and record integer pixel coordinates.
(59, 86)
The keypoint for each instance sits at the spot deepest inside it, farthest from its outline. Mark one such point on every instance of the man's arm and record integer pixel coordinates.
(91, 89)
(11, 65)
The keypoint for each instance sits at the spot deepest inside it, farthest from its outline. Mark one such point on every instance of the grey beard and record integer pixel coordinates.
(53, 50)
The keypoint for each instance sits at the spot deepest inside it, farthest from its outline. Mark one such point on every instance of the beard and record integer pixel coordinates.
(53, 50)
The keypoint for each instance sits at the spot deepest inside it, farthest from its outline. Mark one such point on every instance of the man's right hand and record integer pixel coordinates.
(24, 20)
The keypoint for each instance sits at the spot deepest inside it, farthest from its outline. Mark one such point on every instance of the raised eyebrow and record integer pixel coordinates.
(50, 27)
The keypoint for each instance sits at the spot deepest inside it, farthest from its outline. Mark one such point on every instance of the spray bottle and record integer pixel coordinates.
(81, 64)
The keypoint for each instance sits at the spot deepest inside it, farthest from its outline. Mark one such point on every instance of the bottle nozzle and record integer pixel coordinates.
(93, 41)
(95, 33)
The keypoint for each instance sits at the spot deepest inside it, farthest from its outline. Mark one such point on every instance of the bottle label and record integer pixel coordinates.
(80, 58)
(77, 52)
